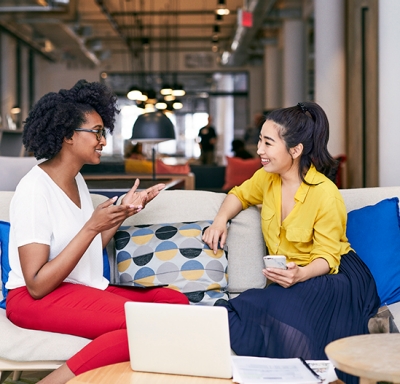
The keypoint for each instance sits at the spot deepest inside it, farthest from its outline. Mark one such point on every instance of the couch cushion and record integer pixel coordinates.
(239, 170)
(374, 233)
(173, 254)
(138, 166)
(174, 169)
(22, 344)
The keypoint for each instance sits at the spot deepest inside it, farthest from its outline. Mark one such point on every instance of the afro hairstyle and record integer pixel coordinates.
(56, 115)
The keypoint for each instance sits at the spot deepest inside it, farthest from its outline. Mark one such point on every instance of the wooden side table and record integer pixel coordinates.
(122, 373)
(374, 357)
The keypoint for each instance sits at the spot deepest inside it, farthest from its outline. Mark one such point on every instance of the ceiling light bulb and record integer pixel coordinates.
(178, 90)
(222, 11)
(15, 110)
(166, 89)
(161, 104)
(142, 97)
(134, 93)
(169, 97)
(177, 104)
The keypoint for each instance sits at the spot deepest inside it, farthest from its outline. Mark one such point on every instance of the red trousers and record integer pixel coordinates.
(87, 312)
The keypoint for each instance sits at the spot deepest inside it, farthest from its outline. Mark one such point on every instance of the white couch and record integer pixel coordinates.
(12, 169)
(22, 349)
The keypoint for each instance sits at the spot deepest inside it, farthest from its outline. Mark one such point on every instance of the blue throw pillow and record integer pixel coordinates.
(5, 266)
(106, 265)
(374, 233)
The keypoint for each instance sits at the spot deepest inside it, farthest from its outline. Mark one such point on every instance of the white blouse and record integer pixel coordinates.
(40, 212)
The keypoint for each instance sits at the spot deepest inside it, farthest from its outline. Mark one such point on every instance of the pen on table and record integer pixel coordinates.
(310, 369)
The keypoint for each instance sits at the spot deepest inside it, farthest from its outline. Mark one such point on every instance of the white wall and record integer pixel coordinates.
(389, 92)
(330, 68)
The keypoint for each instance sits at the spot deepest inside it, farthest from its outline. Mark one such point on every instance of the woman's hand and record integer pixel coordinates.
(295, 274)
(107, 215)
(214, 234)
(284, 277)
(218, 231)
(141, 198)
(132, 203)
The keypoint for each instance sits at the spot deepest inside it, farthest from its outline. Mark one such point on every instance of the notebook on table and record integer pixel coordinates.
(179, 339)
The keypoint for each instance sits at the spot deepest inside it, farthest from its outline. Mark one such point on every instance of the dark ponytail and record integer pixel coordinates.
(306, 123)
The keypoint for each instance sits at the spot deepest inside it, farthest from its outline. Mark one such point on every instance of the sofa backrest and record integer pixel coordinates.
(13, 169)
(245, 242)
(359, 197)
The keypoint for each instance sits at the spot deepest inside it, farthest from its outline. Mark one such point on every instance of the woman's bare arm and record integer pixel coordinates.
(43, 276)
(217, 232)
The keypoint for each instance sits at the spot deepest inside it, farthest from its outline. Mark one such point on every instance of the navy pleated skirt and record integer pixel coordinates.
(301, 320)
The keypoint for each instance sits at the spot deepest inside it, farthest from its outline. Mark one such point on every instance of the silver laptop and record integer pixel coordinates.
(179, 339)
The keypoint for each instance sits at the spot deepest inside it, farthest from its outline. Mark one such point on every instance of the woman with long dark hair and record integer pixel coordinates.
(326, 292)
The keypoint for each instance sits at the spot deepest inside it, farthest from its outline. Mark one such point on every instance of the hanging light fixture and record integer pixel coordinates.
(169, 97)
(15, 110)
(161, 104)
(166, 89)
(178, 90)
(177, 104)
(134, 93)
(221, 8)
(153, 128)
(142, 97)
(151, 96)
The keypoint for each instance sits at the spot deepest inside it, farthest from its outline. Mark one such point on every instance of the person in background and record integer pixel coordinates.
(135, 151)
(207, 142)
(56, 281)
(326, 292)
(252, 132)
(239, 149)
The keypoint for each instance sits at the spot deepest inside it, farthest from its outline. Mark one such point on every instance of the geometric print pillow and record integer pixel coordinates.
(173, 255)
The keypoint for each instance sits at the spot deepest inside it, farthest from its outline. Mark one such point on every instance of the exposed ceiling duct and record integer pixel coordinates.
(244, 36)
(90, 31)
(47, 28)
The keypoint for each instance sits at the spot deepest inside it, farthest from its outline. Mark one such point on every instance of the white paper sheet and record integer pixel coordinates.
(256, 370)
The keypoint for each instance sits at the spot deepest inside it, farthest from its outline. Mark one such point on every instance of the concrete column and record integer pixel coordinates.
(293, 62)
(330, 68)
(273, 76)
(389, 92)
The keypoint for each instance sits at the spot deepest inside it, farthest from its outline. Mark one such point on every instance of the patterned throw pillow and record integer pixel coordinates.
(173, 255)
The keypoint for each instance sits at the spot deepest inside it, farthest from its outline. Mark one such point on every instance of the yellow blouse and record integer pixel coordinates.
(316, 227)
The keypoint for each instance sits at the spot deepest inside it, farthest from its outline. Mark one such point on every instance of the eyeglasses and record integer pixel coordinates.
(98, 132)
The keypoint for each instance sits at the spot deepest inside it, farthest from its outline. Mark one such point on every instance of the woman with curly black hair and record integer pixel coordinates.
(56, 280)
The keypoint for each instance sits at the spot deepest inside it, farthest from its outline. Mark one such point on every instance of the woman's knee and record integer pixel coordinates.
(167, 295)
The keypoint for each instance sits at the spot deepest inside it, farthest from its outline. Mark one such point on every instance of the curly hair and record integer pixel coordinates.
(56, 115)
